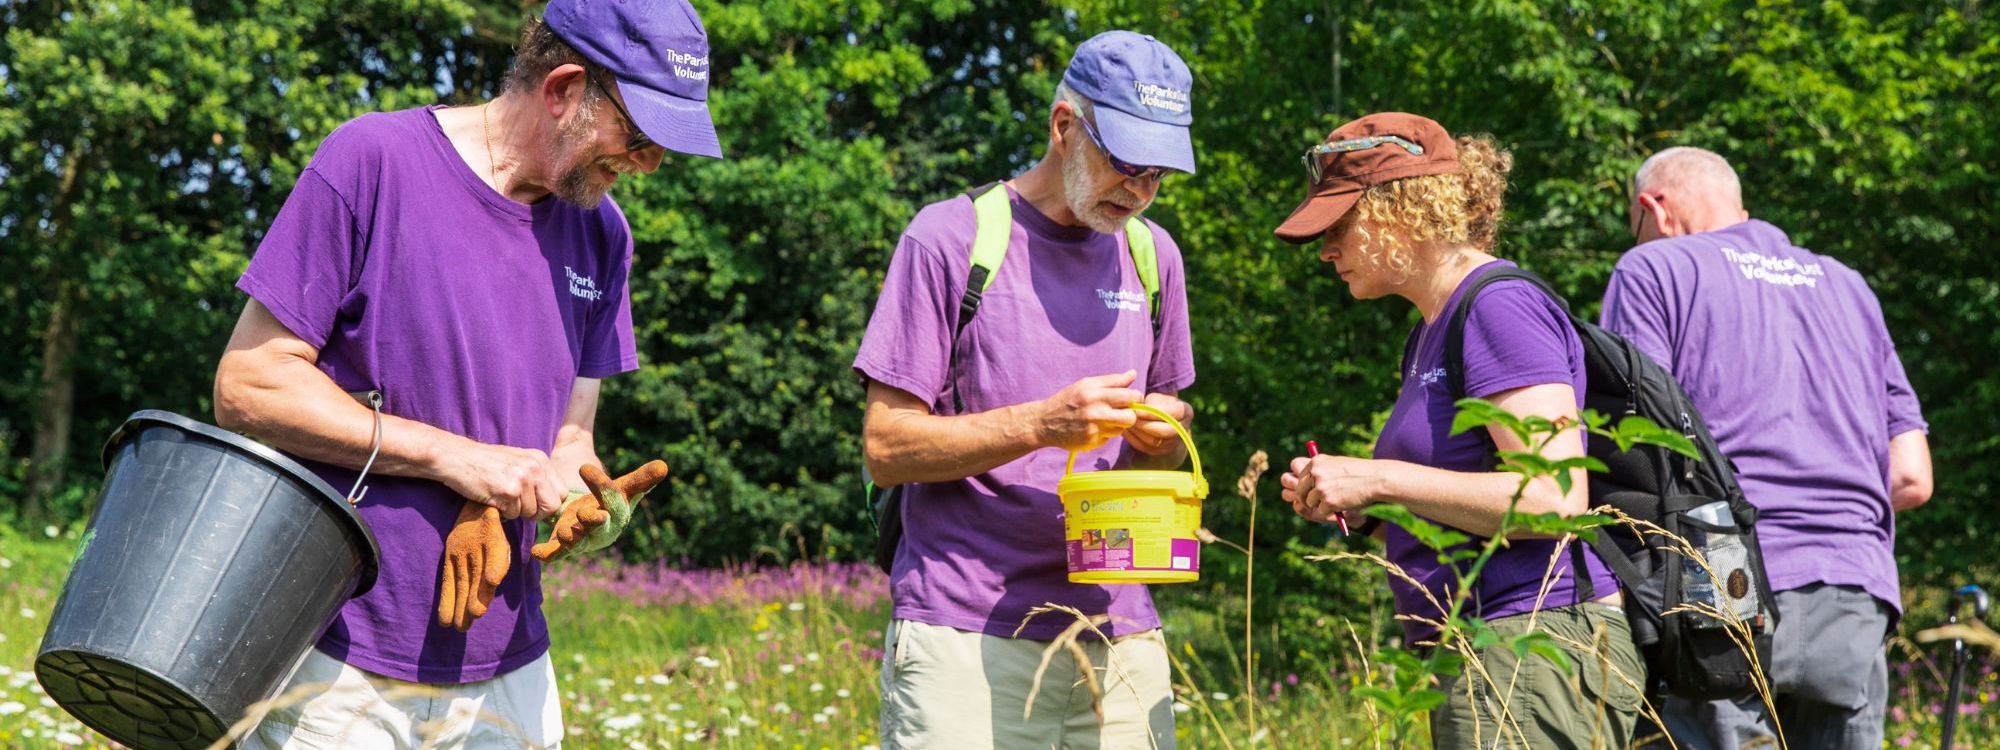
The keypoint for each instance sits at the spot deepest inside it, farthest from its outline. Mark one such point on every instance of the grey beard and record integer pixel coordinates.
(1076, 193)
(574, 186)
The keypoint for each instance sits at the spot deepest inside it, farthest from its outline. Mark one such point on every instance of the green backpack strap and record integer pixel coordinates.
(994, 227)
(1145, 258)
(992, 230)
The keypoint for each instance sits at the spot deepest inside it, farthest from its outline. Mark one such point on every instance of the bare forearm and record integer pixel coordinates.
(1909, 470)
(905, 447)
(298, 409)
(1474, 501)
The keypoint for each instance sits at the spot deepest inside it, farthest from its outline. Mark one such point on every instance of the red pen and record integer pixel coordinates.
(1312, 449)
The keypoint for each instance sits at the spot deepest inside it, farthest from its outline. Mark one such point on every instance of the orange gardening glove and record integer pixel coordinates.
(476, 558)
(588, 523)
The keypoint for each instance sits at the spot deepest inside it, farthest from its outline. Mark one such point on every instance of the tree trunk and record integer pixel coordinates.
(49, 457)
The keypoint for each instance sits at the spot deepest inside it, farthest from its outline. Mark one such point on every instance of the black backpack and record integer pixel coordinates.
(1687, 654)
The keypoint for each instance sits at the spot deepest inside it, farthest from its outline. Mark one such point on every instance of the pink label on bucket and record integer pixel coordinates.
(1096, 554)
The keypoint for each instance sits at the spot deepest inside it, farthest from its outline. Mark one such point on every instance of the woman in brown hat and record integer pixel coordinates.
(1401, 208)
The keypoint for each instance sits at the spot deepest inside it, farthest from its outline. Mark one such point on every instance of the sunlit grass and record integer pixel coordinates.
(651, 658)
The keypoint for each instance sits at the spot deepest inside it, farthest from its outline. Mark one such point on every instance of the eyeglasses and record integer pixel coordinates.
(1130, 170)
(637, 140)
(1311, 157)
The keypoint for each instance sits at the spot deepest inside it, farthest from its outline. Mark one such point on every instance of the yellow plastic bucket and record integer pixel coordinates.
(1134, 525)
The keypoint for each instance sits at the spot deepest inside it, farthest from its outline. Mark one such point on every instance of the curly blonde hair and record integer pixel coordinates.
(1394, 218)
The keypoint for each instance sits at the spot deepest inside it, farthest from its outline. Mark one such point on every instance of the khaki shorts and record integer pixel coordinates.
(947, 689)
(1532, 703)
(344, 707)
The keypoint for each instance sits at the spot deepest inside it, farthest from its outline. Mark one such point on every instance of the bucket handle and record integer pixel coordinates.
(373, 400)
(1200, 481)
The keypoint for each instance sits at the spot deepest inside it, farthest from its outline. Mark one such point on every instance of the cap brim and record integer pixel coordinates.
(1136, 140)
(1316, 215)
(678, 123)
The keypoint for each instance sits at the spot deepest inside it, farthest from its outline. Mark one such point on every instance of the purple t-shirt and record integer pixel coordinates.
(1786, 355)
(473, 314)
(1066, 304)
(1516, 336)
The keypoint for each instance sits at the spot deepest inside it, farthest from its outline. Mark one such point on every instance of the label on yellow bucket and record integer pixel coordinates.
(1133, 533)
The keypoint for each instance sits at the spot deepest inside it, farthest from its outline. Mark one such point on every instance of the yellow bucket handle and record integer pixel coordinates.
(1200, 481)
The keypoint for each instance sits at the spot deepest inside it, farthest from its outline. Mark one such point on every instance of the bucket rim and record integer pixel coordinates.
(1128, 478)
(267, 454)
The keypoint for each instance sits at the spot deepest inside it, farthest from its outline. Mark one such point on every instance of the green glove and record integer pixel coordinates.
(591, 521)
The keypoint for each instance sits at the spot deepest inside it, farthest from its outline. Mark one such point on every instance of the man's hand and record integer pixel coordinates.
(517, 481)
(1089, 412)
(1324, 486)
(590, 522)
(476, 558)
(1154, 437)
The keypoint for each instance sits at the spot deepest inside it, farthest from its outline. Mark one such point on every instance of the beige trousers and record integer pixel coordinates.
(339, 707)
(947, 689)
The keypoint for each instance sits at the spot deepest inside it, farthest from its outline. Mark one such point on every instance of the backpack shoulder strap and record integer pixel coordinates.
(1454, 333)
(1145, 258)
(994, 226)
(1454, 363)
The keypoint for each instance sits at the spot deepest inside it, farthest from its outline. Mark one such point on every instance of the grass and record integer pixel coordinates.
(651, 658)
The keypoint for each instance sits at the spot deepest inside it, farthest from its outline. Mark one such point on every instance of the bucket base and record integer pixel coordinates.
(1135, 576)
(125, 703)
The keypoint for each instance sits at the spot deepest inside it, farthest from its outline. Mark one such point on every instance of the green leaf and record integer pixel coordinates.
(1430, 534)
(1542, 644)
(1475, 413)
(1527, 463)
(1425, 700)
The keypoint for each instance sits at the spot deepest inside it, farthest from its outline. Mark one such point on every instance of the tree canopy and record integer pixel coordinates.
(145, 146)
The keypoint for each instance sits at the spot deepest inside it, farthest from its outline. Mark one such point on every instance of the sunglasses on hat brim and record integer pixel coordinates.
(1317, 169)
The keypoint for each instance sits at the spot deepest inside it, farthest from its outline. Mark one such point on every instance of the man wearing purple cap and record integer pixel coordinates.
(1786, 354)
(973, 417)
(462, 263)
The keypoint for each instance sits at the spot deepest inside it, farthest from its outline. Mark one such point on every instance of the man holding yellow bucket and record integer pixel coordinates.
(984, 377)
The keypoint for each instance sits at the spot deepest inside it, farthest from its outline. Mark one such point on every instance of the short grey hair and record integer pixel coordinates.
(1686, 168)
(1084, 107)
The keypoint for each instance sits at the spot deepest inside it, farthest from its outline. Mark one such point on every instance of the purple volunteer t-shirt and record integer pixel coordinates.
(1786, 354)
(471, 313)
(1516, 336)
(1066, 304)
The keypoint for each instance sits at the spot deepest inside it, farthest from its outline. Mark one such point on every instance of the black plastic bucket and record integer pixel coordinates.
(211, 565)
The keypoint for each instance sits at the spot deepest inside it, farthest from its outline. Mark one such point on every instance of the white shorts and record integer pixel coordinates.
(948, 689)
(336, 706)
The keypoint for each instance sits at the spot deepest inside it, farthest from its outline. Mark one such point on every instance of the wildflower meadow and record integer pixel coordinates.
(652, 657)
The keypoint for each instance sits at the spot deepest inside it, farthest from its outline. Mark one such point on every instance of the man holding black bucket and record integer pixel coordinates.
(464, 264)
(1788, 359)
(983, 376)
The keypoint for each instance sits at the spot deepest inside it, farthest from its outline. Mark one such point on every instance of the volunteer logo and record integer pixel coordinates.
(1776, 271)
(1122, 300)
(688, 67)
(582, 287)
(1162, 97)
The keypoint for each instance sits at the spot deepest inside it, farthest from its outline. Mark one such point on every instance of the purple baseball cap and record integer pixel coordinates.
(1140, 89)
(658, 50)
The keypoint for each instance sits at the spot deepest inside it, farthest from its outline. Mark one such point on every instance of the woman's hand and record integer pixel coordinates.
(1322, 487)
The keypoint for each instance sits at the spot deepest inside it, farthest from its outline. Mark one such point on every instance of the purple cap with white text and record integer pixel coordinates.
(1141, 92)
(658, 50)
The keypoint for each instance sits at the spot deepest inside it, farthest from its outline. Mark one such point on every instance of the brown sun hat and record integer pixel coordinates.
(1370, 151)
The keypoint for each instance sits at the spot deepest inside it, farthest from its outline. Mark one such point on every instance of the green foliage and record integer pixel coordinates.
(145, 145)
